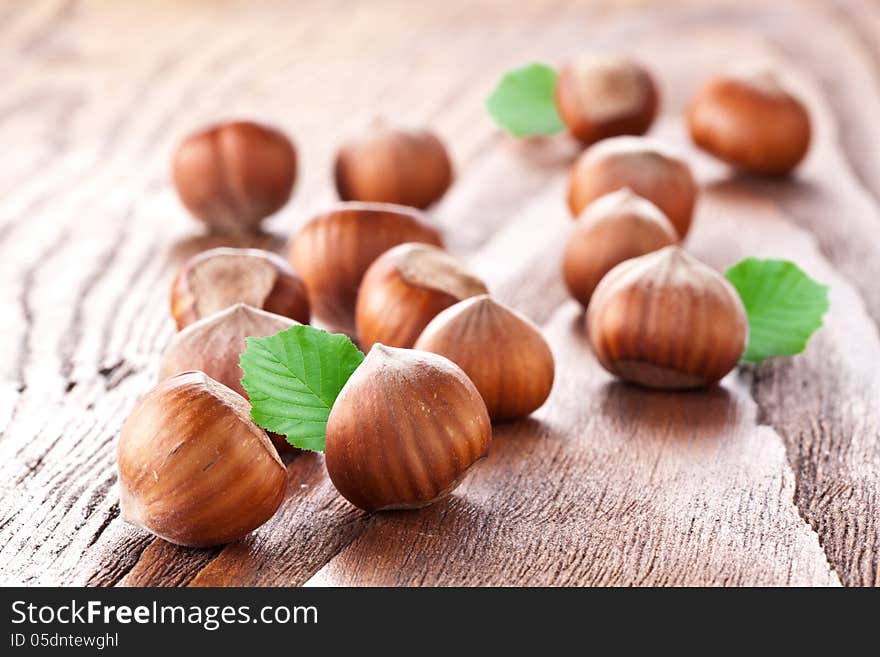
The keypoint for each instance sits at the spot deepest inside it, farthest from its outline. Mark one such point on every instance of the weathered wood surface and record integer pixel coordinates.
(774, 478)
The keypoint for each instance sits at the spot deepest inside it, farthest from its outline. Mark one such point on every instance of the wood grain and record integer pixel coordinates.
(772, 478)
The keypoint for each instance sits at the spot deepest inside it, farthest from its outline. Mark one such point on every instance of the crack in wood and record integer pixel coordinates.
(117, 373)
(112, 515)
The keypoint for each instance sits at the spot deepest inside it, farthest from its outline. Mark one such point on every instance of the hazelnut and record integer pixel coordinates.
(233, 175)
(216, 279)
(643, 166)
(389, 164)
(605, 96)
(193, 467)
(334, 249)
(404, 289)
(613, 228)
(500, 350)
(666, 320)
(214, 344)
(404, 430)
(751, 122)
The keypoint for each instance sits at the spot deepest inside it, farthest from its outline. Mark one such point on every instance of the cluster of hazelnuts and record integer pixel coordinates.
(656, 316)
(444, 359)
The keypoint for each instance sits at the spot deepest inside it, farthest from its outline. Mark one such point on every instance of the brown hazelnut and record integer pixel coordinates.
(404, 430)
(404, 289)
(387, 164)
(751, 122)
(233, 175)
(601, 96)
(215, 343)
(613, 228)
(214, 346)
(193, 467)
(334, 249)
(643, 166)
(500, 350)
(216, 279)
(666, 320)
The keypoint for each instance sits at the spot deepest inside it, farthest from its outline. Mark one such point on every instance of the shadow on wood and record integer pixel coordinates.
(680, 414)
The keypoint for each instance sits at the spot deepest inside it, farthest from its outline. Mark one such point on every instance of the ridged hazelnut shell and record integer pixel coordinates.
(215, 343)
(613, 228)
(387, 164)
(404, 289)
(233, 175)
(216, 279)
(666, 320)
(214, 346)
(334, 249)
(750, 122)
(404, 430)
(643, 166)
(502, 352)
(605, 96)
(193, 467)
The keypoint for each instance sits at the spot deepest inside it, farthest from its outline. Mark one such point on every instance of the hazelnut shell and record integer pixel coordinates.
(605, 96)
(193, 467)
(219, 278)
(215, 343)
(334, 249)
(404, 430)
(666, 320)
(387, 164)
(500, 350)
(404, 289)
(643, 166)
(233, 175)
(214, 346)
(750, 122)
(613, 228)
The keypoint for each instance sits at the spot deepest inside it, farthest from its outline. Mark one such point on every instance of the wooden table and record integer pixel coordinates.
(773, 478)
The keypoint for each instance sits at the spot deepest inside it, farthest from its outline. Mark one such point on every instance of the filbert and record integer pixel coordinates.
(213, 344)
(601, 96)
(389, 164)
(404, 430)
(613, 228)
(216, 279)
(404, 289)
(233, 175)
(640, 164)
(500, 350)
(193, 467)
(666, 320)
(334, 249)
(751, 122)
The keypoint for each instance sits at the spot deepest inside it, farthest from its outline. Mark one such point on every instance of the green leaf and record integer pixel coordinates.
(783, 304)
(524, 102)
(292, 379)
